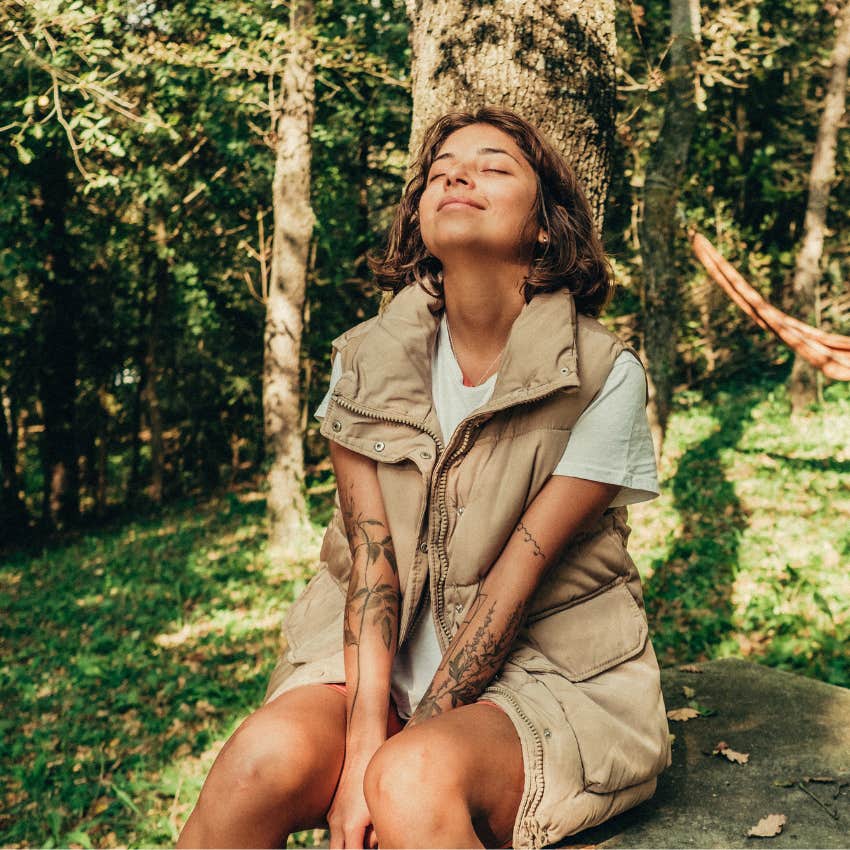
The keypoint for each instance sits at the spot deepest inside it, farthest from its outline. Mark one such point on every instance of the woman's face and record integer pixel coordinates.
(479, 196)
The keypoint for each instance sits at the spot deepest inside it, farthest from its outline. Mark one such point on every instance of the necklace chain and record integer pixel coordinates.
(487, 370)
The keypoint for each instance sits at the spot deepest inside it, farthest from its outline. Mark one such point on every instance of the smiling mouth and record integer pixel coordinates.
(456, 202)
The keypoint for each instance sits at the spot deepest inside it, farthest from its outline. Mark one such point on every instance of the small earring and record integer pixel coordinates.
(544, 239)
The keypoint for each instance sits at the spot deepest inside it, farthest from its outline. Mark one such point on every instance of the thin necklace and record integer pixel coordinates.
(487, 370)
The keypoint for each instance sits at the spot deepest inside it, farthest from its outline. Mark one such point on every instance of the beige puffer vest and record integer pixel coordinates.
(581, 683)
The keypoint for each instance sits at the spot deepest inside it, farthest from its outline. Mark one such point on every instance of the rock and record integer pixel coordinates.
(795, 730)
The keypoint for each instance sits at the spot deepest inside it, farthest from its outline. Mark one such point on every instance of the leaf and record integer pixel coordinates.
(723, 749)
(386, 631)
(689, 693)
(768, 826)
(682, 714)
(690, 668)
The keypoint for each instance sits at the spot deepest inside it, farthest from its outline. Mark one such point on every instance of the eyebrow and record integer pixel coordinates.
(449, 155)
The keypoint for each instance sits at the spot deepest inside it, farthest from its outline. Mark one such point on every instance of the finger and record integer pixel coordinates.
(354, 836)
(335, 842)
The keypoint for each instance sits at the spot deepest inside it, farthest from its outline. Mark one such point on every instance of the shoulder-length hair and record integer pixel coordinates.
(572, 258)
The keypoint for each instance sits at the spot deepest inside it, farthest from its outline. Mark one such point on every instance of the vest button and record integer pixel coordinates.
(379, 446)
(460, 509)
(458, 607)
(565, 370)
(426, 455)
(423, 546)
(547, 733)
(337, 425)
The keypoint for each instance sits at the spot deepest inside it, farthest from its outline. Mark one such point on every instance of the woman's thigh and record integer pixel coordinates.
(472, 753)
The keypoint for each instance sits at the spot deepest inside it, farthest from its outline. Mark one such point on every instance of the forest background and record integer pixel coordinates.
(141, 605)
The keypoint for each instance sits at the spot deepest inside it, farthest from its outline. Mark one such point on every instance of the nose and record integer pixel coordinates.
(458, 172)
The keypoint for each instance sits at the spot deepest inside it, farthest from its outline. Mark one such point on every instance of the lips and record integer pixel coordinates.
(456, 199)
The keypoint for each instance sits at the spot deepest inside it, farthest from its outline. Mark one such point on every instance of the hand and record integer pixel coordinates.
(348, 817)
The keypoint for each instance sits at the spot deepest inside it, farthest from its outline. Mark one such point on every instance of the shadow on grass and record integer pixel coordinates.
(123, 651)
(688, 596)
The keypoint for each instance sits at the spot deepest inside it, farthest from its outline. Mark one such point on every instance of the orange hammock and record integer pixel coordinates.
(825, 351)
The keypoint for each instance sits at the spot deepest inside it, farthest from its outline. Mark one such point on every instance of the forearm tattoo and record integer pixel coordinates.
(471, 661)
(369, 597)
(529, 538)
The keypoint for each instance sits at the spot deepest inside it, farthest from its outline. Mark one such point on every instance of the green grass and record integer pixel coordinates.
(129, 657)
(131, 653)
(746, 552)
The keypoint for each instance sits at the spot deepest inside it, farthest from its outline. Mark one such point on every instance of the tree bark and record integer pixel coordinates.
(293, 227)
(58, 368)
(14, 519)
(802, 385)
(658, 227)
(150, 392)
(552, 61)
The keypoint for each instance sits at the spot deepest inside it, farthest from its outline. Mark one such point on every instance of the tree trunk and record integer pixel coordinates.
(802, 386)
(552, 62)
(293, 227)
(150, 393)
(14, 519)
(58, 372)
(659, 228)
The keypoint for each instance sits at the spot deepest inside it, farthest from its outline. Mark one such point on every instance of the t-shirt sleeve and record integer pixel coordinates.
(611, 441)
(336, 371)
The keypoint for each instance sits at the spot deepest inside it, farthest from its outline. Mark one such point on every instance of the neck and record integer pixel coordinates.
(482, 301)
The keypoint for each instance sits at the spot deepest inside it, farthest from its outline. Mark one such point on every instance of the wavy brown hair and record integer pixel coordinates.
(572, 258)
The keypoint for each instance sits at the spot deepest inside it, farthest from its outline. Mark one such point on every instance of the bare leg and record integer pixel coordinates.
(277, 773)
(453, 781)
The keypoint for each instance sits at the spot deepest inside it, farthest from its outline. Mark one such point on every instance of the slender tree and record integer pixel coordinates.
(659, 228)
(293, 227)
(807, 273)
(550, 60)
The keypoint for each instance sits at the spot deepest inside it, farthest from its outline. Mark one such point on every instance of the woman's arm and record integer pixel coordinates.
(372, 606)
(562, 508)
(370, 635)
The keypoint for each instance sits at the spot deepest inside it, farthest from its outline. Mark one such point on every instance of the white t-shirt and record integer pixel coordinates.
(610, 443)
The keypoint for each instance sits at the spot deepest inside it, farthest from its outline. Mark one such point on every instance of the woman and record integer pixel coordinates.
(470, 665)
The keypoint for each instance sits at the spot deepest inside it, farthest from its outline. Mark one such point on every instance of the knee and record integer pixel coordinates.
(409, 781)
(255, 758)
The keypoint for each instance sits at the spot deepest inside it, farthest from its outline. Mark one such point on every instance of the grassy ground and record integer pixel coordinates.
(129, 655)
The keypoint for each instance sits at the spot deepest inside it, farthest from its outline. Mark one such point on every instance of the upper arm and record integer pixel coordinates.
(361, 502)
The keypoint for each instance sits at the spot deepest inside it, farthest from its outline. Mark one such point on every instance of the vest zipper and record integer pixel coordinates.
(534, 800)
(470, 423)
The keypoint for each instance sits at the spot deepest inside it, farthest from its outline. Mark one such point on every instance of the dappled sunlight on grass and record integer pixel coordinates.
(129, 653)
(745, 553)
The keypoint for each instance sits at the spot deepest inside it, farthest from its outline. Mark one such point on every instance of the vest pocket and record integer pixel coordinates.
(593, 634)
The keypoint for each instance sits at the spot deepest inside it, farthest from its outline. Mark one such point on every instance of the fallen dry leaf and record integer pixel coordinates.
(723, 749)
(689, 693)
(690, 668)
(682, 714)
(768, 826)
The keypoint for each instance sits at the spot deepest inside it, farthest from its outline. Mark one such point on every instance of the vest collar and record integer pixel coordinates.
(391, 369)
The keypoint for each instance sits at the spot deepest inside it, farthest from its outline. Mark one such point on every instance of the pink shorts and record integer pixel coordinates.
(394, 722)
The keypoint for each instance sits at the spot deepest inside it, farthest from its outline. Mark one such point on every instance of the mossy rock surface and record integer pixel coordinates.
(797, 734)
